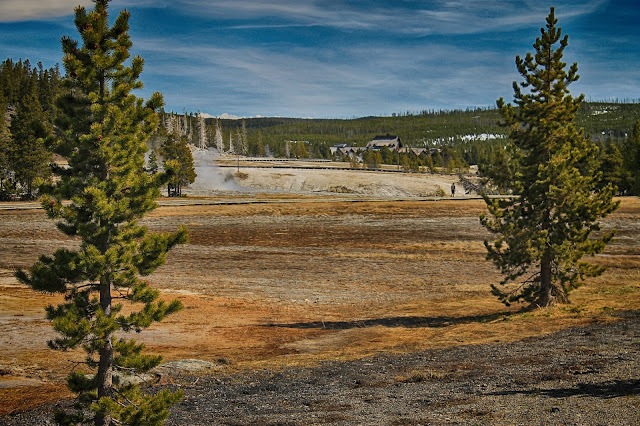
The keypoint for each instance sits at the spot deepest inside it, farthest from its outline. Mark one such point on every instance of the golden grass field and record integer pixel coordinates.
(301, 280)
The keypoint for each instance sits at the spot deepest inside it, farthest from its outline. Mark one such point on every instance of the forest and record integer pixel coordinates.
(455, 138)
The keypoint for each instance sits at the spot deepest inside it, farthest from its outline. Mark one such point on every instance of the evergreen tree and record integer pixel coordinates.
(239, 148)
(178, 161)
(437, 158)
(27, 153)
(387, 155)
(632, 160)
(372, 159)
(102, 133)
(260, 150)
(152, 163)
(496, 170)
(612, 166)
(545, 230)
(5, 144)
(429, 163)
(244, 141)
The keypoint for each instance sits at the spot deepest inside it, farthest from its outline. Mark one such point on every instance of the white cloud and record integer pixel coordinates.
(34, 10)
(25, 10)
(367, 80)
(421, 18)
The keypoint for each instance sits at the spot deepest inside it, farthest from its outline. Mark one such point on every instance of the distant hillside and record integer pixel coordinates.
(427, 128)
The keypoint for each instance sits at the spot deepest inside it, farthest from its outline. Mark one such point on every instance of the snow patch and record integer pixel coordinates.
(226, 116)
(481, 137)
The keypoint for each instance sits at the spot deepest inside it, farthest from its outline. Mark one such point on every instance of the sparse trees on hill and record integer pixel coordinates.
(545, 230)
(102, 133)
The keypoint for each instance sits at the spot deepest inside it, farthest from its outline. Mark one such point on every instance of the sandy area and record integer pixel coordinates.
(359, 182)
(215, 174)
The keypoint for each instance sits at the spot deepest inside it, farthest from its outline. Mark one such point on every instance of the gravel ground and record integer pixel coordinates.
(581, 375)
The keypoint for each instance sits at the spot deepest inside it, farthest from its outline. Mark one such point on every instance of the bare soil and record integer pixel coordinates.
(303, 177)
(393, 295)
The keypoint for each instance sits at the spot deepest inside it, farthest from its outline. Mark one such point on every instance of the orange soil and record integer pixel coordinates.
(295, 283)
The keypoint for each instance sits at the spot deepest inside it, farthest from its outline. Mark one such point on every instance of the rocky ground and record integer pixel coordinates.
(580, 375)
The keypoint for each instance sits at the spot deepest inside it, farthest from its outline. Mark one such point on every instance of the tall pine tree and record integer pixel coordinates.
(546, 228)
(102, 133)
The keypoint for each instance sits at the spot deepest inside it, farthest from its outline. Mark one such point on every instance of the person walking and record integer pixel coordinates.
(453, 189)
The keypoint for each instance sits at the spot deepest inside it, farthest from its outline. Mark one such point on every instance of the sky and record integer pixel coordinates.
(342, 58)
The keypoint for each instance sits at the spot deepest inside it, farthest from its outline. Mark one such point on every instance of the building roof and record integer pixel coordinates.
(390, 141)
(386, 137)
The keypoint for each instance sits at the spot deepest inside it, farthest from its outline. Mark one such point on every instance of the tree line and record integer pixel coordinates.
(452, 137)
(28, 103)
(32, 100)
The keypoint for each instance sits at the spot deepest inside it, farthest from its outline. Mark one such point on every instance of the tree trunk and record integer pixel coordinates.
(546, 297)
(550, 294)
(105, 366)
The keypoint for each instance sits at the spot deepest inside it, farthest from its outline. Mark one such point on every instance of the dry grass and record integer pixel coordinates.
(27, 397)
(300, 281)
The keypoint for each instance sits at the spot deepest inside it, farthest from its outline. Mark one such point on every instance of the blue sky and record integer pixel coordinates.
(343, 58)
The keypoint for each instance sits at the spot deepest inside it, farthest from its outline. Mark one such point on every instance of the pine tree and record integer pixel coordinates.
(244, 140)
(5, 143)
(178, 161)
(103, 129)
(260, 146)
(632, 160)
(238, 149)
(27, 154)
(612, 166)
(152, 163)
(545, 230)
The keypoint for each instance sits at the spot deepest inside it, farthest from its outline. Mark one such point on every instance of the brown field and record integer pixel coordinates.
(304, 280)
